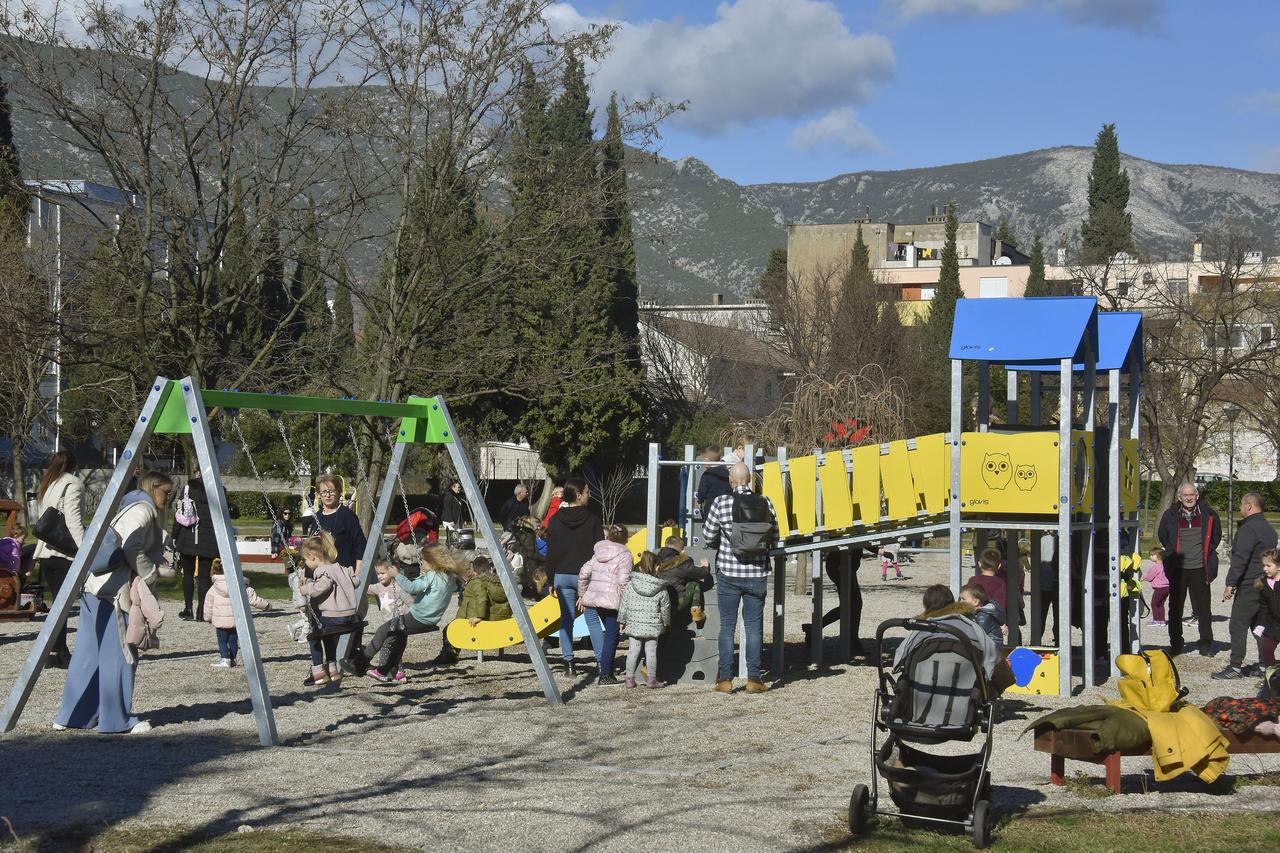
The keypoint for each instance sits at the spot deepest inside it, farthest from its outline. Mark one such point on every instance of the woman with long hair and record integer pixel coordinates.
(60, 488)
(571, 539)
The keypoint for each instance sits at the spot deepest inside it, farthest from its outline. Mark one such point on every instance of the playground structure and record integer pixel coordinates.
(177, 407)
(1070, 478)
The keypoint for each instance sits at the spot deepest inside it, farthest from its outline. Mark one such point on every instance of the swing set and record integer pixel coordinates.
(179, 407)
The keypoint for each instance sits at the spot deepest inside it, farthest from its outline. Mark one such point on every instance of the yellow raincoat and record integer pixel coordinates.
(1182, 736)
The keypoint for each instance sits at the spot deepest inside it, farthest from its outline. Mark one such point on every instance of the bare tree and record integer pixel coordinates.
(611, 488)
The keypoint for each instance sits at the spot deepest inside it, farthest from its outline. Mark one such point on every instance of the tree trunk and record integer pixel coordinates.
(19, 477)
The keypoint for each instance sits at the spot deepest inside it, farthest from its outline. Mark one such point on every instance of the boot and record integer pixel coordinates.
(335, 674)
(319, 675)
(654, 683)
(755, 685)
(698, 616)
(724, 685)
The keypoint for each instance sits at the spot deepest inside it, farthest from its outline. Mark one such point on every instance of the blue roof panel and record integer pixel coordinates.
(1119, 333)
(1020, 330)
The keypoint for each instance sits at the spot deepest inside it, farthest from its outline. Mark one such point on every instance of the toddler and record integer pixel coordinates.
(392, 604)
(297, 630)
(1266, 622)
(989, 616)
(483, 598)
(988, 577)
(329, 589)
(1155, 576)
(217, 610)
(443, 572)
(689, 582)
(643, 614)
(889, 557)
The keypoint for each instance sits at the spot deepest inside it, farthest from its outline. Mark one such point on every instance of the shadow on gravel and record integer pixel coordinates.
(87, 779)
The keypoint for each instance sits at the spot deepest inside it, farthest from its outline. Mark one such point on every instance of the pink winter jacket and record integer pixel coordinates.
(604, 577)
(332, 588)
(217, 603)
(145, 618)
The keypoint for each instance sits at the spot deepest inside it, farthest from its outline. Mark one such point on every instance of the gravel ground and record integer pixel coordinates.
(469, 756)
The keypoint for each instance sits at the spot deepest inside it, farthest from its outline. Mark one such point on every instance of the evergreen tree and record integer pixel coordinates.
(942, 309)
(1109, 227)
(14, 199)
(772, 287)
(344, 322)
(856, 335)
(1036, 285)
(619, 243)
(1004, 233)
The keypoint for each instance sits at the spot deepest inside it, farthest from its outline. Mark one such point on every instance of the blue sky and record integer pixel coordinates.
(789, 90)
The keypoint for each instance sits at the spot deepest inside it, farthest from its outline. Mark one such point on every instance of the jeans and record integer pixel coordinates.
(1181, 584)
(325, 649)
(749, 592)
(195, 576)
(566, 590)
(609, 641)
(228, 643)
(595, 629)
(1244, 604)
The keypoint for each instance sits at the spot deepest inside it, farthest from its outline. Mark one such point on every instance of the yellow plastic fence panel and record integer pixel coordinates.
(637, 544)
(837, 502)
(773, 489)
(895, 478)
(931, 472)
(866, 482)
(1128, 475)
(1082, 471)
(804, 492)
(1009, 473)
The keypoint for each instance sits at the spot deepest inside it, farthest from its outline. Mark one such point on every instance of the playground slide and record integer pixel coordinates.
(490, 636)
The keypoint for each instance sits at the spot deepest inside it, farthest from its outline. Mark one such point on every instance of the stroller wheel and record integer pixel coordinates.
(981, 829)
(859, 811)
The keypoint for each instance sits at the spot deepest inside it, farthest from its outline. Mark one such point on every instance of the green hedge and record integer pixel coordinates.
(251, 504)
(1215, 492)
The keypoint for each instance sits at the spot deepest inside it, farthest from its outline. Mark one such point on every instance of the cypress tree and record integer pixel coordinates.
(942, 310)
(344, 323)
(618, 239)
(1004, 233)
(1109, 227)
(1036, 285)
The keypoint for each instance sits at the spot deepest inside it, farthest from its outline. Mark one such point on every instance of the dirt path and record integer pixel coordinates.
(469, 756)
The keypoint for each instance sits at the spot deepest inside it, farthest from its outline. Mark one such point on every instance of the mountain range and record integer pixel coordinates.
(698, 233)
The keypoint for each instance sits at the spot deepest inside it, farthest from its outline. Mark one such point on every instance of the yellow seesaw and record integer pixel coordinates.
(488, 636)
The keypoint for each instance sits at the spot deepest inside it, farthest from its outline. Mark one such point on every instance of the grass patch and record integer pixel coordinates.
(170, 839)
(1085, 832)
(1266, 780)
(266, 584)
(1082, 785)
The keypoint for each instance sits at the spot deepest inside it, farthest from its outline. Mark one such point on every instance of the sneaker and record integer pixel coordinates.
(755, 685)
(608, 681)
(1228, 671)
(629, 682)
(319, 676)
(654, 684)
(185, 615)
(140, 728)
(223, 663)
(401, 677)
(446, 657)
(378, 675)
(59, 727)
(724, 685)
(1155, 623)
(698, 615)
(1253, 670)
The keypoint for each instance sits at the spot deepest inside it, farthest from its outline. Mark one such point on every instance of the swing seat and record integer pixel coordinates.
(319, 633)
(489, 636)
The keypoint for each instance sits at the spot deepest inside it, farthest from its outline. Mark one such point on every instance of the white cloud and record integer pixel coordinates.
(841, 126)
(757, 60)
(1135, 15)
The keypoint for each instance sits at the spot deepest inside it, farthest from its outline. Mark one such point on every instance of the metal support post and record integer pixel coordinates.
(984, 396)
(89, 544)
(1064, 527)
(225, 535)
(1113, 521)
(845, 579)
(953, 534)
(1135, 421)
(691, 486)
(779, 614)
(1089, 596)
(499, 556)
(1011, 398)
(651, 498)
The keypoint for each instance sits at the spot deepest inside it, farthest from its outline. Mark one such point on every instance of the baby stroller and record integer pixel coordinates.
(937, 693)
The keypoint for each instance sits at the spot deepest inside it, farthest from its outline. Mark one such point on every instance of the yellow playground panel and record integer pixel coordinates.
(638, 543)
(1009, 472)
(489, 636)
(1128, 475)
(1035, 671)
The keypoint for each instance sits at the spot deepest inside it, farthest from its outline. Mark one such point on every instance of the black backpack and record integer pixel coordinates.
(751, 534)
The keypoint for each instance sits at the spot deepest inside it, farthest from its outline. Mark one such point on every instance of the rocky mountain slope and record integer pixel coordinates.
(702, 233)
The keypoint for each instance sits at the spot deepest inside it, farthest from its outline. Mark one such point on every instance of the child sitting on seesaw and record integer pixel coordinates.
(645, 612)
(443, 571)
(484, 599)
(329, 589)
(217, 610)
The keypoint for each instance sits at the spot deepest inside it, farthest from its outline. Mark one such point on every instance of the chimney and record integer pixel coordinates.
(1197, 249)
(717, 299)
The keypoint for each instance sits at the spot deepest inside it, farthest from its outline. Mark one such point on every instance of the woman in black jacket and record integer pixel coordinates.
(454, 510)
(197, 545)
(571, 539)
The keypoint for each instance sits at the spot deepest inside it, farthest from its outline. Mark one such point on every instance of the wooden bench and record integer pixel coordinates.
(1077, 745)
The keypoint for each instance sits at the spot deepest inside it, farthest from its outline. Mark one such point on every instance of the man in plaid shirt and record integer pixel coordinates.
(738, 582)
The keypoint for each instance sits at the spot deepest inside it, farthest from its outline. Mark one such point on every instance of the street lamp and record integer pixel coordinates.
(1231, 413)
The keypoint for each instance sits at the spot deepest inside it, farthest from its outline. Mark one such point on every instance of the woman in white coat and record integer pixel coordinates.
(99, 689)
(59, 489)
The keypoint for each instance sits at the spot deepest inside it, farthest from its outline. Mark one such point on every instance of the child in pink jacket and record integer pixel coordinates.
(600, 585)
(1155, 576)
(217, 609)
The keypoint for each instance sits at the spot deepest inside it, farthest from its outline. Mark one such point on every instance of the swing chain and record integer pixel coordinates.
(257, 477)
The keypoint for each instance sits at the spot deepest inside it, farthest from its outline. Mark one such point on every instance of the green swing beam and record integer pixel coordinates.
(177, 407)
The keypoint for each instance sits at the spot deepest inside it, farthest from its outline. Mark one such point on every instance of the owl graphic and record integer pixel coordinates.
(997, 470)
(1025, 477)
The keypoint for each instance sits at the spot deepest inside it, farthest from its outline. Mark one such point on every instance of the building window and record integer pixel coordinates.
(993, 287)
(1220, 337)
(1177, 287)
(1123, 286)
(1267, 335)
(926, 293)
